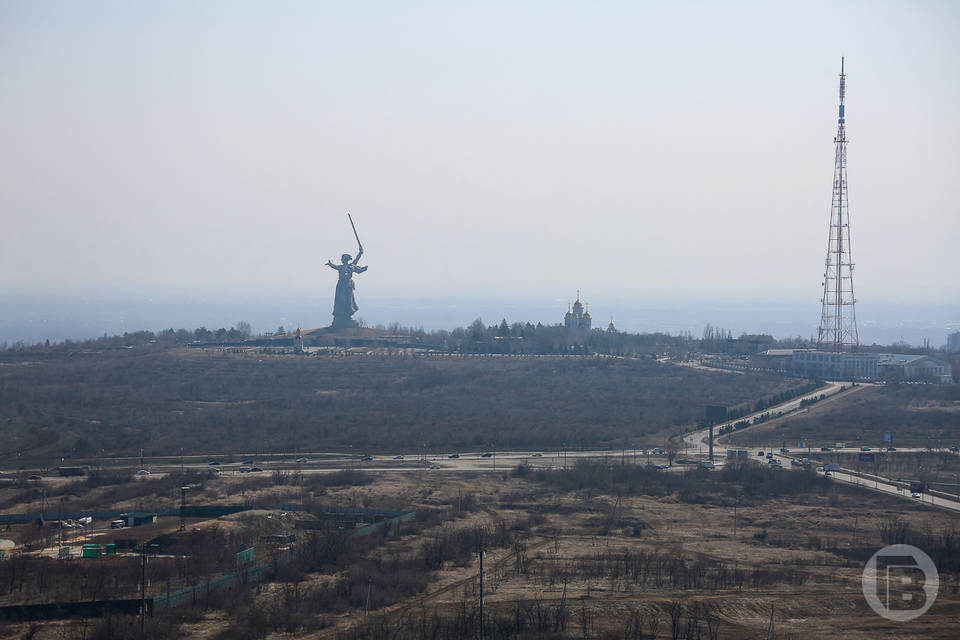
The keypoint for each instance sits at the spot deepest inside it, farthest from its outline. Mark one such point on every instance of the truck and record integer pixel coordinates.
(831, 466)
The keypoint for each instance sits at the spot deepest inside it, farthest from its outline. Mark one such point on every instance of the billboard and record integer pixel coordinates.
(866, 457)
(714, 414)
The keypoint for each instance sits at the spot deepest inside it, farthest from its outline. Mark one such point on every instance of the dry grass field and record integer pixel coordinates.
(559, 562)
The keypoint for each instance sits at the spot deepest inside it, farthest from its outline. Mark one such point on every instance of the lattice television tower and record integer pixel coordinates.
(838, 317)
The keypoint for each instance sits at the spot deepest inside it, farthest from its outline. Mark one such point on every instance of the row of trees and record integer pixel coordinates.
(478, 337)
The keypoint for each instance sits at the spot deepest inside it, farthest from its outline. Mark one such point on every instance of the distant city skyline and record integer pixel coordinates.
(676, 153)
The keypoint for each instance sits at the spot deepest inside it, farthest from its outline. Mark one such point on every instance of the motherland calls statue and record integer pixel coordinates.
(344, 302)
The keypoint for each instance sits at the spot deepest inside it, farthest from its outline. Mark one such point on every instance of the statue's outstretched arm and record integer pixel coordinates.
(359, 253)
(332, 266)
(361, 269)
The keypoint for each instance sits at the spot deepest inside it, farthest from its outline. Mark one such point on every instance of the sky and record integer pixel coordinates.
(645, 153)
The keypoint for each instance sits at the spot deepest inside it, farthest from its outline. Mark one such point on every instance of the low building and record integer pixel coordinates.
(137, 518)
(915, 368)
(869, 367)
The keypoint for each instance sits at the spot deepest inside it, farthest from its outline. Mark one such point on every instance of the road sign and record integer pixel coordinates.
(888, 437)
(866, 457)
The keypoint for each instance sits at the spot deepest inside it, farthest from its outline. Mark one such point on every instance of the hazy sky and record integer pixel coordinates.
(660, 150)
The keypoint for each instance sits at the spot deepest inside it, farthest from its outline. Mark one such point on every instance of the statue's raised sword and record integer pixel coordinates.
(359, 246)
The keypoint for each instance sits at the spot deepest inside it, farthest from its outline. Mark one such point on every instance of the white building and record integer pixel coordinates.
(829, 365)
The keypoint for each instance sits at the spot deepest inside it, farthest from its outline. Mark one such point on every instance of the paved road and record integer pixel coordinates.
(891, 489)
(697, 438)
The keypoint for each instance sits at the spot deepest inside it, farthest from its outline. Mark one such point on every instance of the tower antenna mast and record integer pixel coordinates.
(838, 318)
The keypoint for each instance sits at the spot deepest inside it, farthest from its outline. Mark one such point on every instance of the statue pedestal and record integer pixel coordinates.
(339, 322)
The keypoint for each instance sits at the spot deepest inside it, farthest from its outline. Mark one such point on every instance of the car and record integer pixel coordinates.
(819, 469)
(784, 450)
(487, 455)
(453, 456)
(398, 457)
(34, 477)
(954, 449)
(773, 461)
(143, 472)
(662, 466)
(247, 462)
(796, 463)
(537, 455)
(824, 448)
(117, 524)
(864, 448)
(434, 466)
(214, 463)
(302, 460)
(916, 494)
(759, 454)
(244, 469)
(366, 458)
(891, 448)
(255, 469)
(769, 455)
(828, 474)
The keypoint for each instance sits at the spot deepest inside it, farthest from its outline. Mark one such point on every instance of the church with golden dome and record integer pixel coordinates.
(578, 322)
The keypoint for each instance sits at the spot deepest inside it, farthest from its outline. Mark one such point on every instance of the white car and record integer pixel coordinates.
(434, 466)
(916, 494)
(143, 472)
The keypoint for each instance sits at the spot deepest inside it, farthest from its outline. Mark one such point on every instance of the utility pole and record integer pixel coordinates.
(143, 590)
(481, 586)
(838, 318)
(736, 500)
(183, 507)
(366, 607)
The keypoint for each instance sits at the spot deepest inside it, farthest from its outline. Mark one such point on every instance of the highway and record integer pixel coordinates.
(846, 475)
(699, 440)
